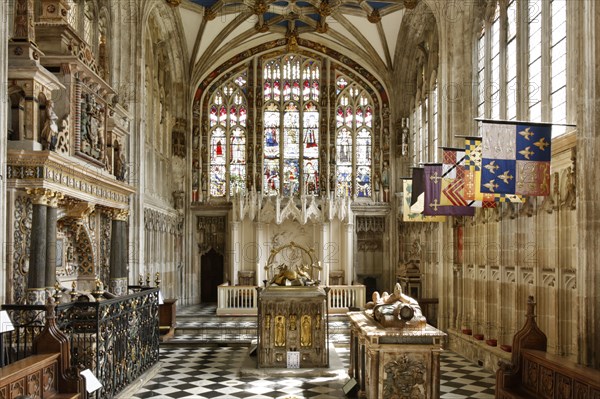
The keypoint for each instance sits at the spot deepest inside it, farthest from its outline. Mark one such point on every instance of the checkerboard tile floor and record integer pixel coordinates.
(212, 372)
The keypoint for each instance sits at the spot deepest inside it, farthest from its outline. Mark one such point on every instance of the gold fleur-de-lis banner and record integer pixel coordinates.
(516, 158)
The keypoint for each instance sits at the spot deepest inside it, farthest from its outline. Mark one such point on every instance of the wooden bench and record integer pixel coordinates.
(47, 373)
(534, 373)
(33, 376)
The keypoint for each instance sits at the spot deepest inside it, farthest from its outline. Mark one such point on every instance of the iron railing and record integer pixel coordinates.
(118, 338)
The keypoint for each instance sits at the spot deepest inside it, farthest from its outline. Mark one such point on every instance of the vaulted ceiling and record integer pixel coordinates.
(368, 31)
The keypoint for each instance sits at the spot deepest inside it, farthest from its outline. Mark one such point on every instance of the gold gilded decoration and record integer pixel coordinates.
(526, 152)
(280, 330)
(55, 198)
(306, 331)
(506, 177)
(120, 214)
(541, 144)
(173, 3)
(39, 196)
(293, 322)
(491, 185)
(527, 133)
(295, 266)
(492, 167)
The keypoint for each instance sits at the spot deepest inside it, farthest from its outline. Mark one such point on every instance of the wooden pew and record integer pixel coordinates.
(47, 374)
(533, 373)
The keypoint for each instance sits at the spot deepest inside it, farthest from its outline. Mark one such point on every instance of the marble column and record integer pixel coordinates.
(118, 252)
(36, 294)
(51, 213)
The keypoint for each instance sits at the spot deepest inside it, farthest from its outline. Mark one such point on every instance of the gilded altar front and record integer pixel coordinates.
(292, 319)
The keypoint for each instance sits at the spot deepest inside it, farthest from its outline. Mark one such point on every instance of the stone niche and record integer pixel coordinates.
(292, 320)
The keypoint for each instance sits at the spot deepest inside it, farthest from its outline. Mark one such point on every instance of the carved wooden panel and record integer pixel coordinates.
(34, 385)
(530, 375)
(546, 383)
(564, 387)
(580, 391)
(17, 388)
(4, 392)
(49, 381)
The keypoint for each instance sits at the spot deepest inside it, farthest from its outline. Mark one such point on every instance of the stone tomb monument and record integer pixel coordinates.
(394, 353)
(292, 311)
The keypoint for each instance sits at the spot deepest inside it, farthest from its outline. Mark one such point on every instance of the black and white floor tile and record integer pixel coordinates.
(212, 372)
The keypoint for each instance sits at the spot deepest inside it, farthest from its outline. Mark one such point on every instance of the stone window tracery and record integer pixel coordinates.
(228, 130)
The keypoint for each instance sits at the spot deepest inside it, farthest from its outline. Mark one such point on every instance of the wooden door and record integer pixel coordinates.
(211, 275)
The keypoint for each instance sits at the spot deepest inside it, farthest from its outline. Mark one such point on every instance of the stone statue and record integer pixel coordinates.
(49, 133)
(397, 310)
(280, 331)
(305, 333)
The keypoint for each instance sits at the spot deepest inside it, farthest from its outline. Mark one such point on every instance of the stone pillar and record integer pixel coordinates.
(323, 256)
(3, 141)
(118, 252)
(36, 294)
(236, 253)
(588, 207)
(51, 212)
(262, 255)
(349, 253)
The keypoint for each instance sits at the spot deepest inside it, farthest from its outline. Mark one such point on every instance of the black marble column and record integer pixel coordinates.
(51, 214)
(36, 278)
(118, 253)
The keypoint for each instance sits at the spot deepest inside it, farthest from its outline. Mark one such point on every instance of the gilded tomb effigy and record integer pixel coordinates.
(292, 311)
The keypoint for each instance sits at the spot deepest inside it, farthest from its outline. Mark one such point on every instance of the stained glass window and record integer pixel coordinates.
(354, 123)
(227, 122)
(291, 89)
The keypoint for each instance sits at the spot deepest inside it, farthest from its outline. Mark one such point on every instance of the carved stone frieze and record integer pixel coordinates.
(50, 170)
(163, 222)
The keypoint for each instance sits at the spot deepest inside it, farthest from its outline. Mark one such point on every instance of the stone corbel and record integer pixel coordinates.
(570, 198)
(549, 204)
(527, 208)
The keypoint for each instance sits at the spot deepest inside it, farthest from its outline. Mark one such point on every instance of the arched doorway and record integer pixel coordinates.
(211, 275)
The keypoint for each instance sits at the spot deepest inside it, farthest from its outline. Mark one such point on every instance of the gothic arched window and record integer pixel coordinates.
(291, 87)
(227, 122)
(354, 124)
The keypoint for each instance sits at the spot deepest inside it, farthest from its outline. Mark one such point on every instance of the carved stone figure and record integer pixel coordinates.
(49, 134)
(398, 310)
(280, 331)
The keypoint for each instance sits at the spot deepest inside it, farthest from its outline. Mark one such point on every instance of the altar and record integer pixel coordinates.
(292, 312)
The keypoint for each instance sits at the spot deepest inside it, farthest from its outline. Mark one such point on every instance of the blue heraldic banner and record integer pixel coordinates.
(516, 159)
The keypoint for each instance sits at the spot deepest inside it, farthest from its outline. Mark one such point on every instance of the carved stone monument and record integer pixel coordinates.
(394, 353)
